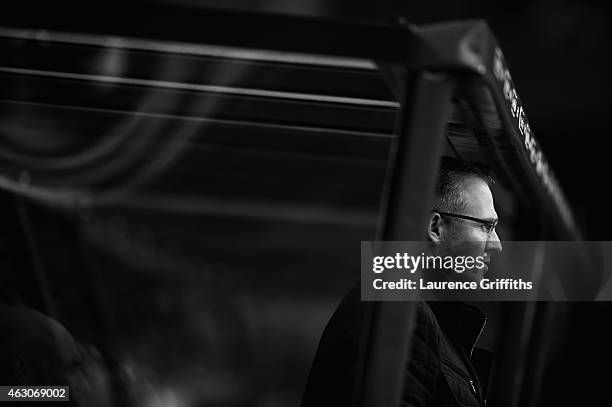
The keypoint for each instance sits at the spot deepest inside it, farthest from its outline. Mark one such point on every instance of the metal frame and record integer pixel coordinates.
(436, 58)
(467, 51)
(412, 172)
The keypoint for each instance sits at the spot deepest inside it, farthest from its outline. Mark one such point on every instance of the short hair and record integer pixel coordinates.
(449, 194)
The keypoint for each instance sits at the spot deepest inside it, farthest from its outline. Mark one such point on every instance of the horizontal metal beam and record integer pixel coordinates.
(161, 22)
(201, 50)
(250, 92)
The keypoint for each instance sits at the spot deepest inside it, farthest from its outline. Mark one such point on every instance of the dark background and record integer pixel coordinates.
(556, 52)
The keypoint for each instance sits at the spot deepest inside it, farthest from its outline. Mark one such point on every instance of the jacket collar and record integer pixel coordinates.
(461, 322)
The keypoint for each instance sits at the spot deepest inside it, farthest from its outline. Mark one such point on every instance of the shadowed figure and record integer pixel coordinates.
(36, 350)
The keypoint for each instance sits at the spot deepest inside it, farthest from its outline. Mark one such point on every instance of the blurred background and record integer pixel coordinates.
(195, 234)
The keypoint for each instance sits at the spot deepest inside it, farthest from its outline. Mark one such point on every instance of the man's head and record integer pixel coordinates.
(463, 217)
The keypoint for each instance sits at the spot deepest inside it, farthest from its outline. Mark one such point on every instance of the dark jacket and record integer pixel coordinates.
(439, 371)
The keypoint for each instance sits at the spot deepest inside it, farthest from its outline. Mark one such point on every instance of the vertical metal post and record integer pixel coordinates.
(406, 203)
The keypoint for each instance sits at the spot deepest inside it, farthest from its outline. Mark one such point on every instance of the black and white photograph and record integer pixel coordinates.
(303, 203)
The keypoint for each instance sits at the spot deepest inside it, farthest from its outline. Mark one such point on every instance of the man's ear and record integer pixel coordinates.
(434, 228)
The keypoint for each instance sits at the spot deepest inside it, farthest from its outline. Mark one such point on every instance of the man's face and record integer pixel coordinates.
(462, 237)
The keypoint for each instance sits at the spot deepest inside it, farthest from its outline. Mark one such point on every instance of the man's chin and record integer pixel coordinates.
(475, 275)
(483, 271)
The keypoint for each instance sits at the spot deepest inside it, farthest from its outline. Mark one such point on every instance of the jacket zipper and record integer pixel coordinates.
(478, 337)
(473, 387)
(464, 375)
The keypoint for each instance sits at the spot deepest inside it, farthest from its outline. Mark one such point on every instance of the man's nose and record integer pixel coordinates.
(494, 244)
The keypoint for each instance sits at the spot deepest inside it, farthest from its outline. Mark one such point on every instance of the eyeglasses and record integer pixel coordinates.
(489, 225)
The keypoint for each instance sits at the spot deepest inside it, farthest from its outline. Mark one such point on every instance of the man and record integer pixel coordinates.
(440, 371)
(463, 219)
